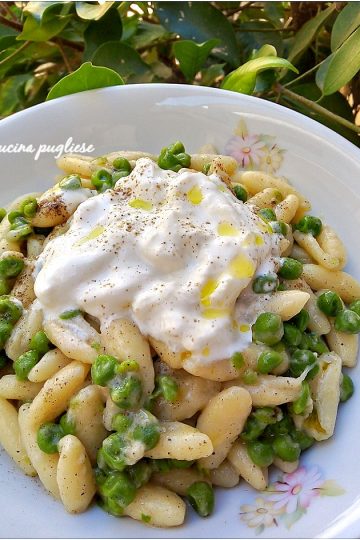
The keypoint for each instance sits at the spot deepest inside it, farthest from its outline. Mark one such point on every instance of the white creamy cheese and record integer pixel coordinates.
(173, 252)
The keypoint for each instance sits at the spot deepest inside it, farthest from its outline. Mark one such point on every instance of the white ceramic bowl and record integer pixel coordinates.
(322, 498)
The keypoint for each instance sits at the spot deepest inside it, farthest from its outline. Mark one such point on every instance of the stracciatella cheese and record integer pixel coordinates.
(174, 252)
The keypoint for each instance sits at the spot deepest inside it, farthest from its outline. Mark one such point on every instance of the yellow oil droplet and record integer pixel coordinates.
(215, 313)
(140, 204)
(210, 286)
(244, 327)
(227, 229)
(205, 351)
(184, 355)
(195, 195)
(259, 241)
(97, 231)
(235, 325)
(242, 267)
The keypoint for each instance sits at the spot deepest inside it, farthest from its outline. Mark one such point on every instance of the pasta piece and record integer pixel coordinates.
(44, 464)
(223, 420)
(29, 323)
(334, 259)
(130, 155)
(344, 345)
(272, 390)
(180, 441)
(53, 398)
(172, 359)
(48, 365)
(12, 388)
(222, 370)
(285, 211)
(193, 394)
(35, 245)
(178, 480)
(74, 475)
(110, 410)
(325, 390)
(227, 164)
(225, 475)
(75, 338)
(300, 254)
(10, 437)
(267, 198)
(243, 464)
(86, 412)
(287, 304)
(77, 164)
(286, 466)
(23, 288)
(51, 210)
(123, 339)
(163, 507)
(320, 278)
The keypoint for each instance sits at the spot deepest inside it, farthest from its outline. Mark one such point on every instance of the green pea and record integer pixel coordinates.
(113, 452)
(286, 448)
(19, 230)
(257, 422)
(9, 310)
(102, 180)
(67, 424)
(5, 332)
(330, 303)
(309, 225)
(121, 422)
(169, 387)
(249, 377)
(103, 369)
(28, 207)
(240, 193)
(69, 314)
(299, 405)
(3, 360)
(122, 164)
(116, 175)
(268, 361)
(268, 328)
(313, 342)
(24, 364)
(140, 473)
(11, 267)
(355, 306)
(292, 335)
(301, 320)
(119, 487)
(283, 426)
(14, 215)
(260, 452)
(302, 359)
(111, 506)
(346, 388)
(267, 214)
(126, 391)
(127, 365)
(5, 286)
(174, 157)
(146, 429)
(290, 268)
(180, 463)
(347, 321)
(279, 227)
(48, 437)
(265, 284)
(40, 343)
(201, 497)
(2, 214)
(303, 440)
(237, 360)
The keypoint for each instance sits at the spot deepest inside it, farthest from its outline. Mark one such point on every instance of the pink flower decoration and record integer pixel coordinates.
(297, 488)
(246, 149)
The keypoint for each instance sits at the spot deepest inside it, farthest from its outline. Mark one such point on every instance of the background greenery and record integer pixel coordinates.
(304, 55)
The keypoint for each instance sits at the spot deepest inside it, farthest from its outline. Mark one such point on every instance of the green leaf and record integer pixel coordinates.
(147, 34)
(344, 64)
(243, 79)
(331, 489)
(346, 23)
(210, 74)
(252, 35)
(308, 32)
(92, 11)
(130, 27)
(275, 12)
(200, 22)
(322, 71)
(121, 58)
(192, 56)
(109, 28)
(87, 77)
(9, 93)
(265, 50)
(44, 20)
(290, 519)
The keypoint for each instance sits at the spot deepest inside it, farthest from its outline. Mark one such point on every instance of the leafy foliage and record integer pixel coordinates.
(304, 55)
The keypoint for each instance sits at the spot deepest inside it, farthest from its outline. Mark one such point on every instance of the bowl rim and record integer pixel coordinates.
(303, 122)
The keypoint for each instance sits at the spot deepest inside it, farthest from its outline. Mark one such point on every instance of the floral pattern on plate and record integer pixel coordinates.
(254, 151)
(288, 498)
